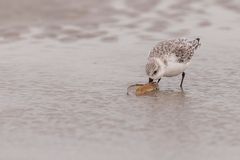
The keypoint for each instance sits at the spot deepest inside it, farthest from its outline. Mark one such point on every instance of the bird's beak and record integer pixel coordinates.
(150, 80)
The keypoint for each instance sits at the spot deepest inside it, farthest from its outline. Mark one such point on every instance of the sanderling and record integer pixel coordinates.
(170, 58)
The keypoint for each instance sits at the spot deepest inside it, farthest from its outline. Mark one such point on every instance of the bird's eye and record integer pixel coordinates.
(155, 72)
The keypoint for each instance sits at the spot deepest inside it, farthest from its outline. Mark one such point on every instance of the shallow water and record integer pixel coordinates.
(65, 67)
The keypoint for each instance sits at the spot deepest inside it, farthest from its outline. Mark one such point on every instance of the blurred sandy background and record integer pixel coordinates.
(65, 66)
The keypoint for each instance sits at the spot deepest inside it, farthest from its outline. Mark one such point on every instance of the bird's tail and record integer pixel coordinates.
(196, 43)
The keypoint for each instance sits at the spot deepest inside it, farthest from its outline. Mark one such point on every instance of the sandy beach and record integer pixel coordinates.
(65, 67)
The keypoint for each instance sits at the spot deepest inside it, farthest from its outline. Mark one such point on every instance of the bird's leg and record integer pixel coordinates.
(183, 75)
(159, 80)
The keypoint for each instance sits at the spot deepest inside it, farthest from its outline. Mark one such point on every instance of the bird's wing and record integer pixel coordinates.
(162, 49)
(183, 50)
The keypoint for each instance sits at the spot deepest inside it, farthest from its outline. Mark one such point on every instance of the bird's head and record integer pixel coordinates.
(155, 69)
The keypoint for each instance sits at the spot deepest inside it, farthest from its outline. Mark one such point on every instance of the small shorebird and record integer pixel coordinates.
(170, 58)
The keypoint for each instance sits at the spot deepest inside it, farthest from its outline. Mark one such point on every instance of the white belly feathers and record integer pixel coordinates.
(175, 68)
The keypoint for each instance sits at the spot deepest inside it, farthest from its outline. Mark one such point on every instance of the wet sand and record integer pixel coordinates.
(65, 67)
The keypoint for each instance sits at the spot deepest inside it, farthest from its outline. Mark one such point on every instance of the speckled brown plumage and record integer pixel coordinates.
(182, 48)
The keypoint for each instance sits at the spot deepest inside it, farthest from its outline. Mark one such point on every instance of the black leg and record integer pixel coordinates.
(159, 80)
(183, 75)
